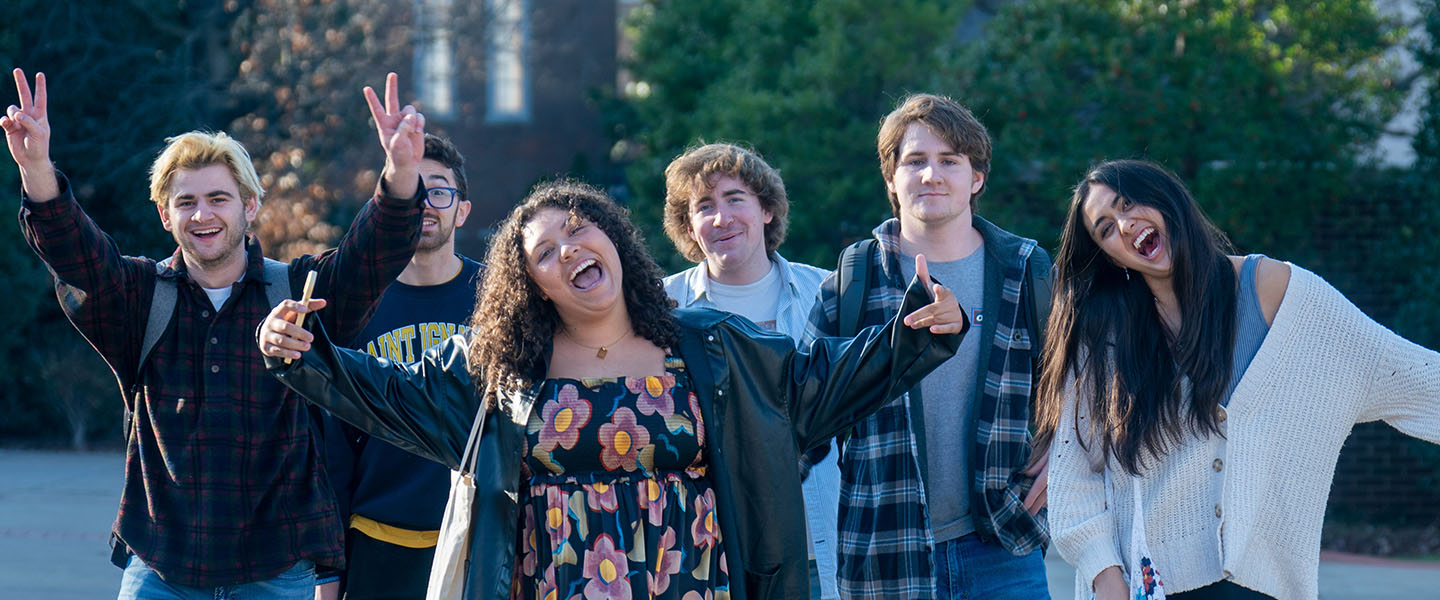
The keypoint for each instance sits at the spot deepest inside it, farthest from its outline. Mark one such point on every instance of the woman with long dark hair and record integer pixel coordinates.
(1218, 388)
(629, 449)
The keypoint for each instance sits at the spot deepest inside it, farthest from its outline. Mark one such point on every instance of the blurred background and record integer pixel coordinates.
(1309, 130)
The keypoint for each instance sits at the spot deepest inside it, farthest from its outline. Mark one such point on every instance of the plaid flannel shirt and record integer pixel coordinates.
(222, 479)
(885, 537)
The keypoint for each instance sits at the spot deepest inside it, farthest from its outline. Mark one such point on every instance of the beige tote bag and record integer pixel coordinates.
(452, 551)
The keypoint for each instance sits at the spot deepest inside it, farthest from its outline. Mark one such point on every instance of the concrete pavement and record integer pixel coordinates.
(56, 509)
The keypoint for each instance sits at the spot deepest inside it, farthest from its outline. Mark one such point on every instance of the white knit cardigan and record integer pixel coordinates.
(1248, 506)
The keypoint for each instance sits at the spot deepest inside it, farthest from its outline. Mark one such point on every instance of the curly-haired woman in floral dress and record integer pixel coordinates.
(630, 450)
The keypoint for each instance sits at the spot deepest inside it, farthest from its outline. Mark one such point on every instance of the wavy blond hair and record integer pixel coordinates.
(200, 149)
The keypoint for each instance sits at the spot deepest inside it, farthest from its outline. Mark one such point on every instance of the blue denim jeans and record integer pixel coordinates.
(141, 583)
(969, 569)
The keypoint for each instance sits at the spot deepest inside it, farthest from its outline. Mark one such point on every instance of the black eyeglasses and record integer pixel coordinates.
(440, 198)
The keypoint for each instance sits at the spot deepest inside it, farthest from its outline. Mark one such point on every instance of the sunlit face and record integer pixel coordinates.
(1133, 235)
(574, 264)
(208, 216)
(729, 225)
(437, 227)
(932, 182)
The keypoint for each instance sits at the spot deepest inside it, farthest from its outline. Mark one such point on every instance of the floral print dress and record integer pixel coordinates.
(618, 505)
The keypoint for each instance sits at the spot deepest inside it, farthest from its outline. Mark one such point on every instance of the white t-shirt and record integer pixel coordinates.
(740, 299)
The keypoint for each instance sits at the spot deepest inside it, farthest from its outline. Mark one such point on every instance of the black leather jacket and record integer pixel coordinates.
(763, 402)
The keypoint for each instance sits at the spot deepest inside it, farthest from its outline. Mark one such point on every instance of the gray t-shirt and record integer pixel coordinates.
(947, 396)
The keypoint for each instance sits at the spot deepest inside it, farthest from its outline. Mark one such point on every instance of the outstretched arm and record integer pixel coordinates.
(27, 133)
(835, 382)
(426, 408)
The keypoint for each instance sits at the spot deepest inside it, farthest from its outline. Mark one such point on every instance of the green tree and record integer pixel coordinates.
(123, 75)
(1263, 107)
(804, 83)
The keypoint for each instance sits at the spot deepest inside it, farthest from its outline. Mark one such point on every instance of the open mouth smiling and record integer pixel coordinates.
(205, 233)
(1147, 243)
(587, 274)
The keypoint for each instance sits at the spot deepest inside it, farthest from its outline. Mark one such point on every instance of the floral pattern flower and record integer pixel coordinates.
(652, 500)
(607, 571)
(547, 589)
(531, 550)
(601, 496)
(652, 394)
(704, 529)
(563, 419)
(667, 562)
(622, 439)
(557, 521)
(699, 422)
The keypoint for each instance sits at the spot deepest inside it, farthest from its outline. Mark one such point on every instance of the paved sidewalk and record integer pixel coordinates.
(56, 509)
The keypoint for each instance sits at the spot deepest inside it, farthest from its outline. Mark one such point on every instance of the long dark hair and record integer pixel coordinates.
(514, 325)
(1106, 331)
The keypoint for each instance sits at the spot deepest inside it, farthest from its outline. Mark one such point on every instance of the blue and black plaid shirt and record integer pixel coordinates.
(885, 537)
(223, 482)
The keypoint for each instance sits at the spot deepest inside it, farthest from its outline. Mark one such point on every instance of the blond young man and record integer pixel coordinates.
(224, 493)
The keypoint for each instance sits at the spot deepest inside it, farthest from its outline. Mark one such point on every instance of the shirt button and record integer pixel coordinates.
(719, 392)
(214, 340)
(1217, 510)
(214, 368)
(205, 313)
(1219, 464)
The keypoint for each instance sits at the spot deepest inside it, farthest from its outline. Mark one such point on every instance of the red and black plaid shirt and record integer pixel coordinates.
(223, 482)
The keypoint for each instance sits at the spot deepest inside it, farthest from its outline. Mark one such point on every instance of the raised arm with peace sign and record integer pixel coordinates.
(27, 133)
(402, 136)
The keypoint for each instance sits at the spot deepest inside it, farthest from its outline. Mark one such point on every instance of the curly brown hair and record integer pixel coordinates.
(514, 325)
(688, 178)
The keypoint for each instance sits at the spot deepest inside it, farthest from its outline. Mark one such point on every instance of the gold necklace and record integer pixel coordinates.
(600, 351)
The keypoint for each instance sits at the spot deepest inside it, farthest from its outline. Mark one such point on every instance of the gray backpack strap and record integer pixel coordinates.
(162, 307)
(277, 274)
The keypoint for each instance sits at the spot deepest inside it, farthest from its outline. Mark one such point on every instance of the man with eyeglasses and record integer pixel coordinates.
(392, 500)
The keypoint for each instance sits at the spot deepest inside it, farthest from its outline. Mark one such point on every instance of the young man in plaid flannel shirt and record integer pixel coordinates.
(224, 493)
(933, 489)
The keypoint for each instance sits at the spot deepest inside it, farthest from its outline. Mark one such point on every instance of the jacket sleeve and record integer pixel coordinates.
(374, 251)
(425, 408)
(833, 383)
(1083, 525)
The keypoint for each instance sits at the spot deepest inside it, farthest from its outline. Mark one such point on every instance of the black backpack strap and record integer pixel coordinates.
(854, 279)
(1041, 295)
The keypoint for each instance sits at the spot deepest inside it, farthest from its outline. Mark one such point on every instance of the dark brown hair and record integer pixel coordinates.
(1104, 328)
(514, 325)
(443, 151)
(949, 120)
